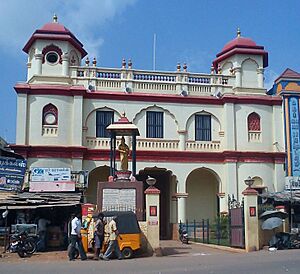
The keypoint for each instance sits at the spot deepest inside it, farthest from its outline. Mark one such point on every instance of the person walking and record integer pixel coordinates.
(99, 235)
(75, 238)
(113, 245)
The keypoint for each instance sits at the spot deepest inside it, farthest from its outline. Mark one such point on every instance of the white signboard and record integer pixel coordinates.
(119, 199)
(292, 183)
(51, 180)
(39, 174)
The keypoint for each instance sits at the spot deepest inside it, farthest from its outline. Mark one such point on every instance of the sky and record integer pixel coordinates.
(191, 31)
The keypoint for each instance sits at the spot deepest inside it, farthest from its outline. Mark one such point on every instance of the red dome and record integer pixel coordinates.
(55, 31)
(54, 27)
(239, 42)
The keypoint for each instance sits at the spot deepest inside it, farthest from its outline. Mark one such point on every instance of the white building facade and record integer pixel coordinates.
(201, 135)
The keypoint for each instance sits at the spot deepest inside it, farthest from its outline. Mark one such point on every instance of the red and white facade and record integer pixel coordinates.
(56, 121)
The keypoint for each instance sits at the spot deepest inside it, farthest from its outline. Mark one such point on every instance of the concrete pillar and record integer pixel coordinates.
(238, 76)
(77, 126)
(65, 64)
(182, 138)
(181, 206)
(223, 202)
(251, 219)
(231, 182)
(260, 76)
(230, 126)
(21, 134)
(152, 219)
(39, 61)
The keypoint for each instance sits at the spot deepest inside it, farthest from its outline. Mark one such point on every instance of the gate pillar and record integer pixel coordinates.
(152, 219)
(251, 219)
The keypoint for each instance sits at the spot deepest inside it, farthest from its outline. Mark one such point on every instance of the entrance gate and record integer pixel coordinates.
(236, 222)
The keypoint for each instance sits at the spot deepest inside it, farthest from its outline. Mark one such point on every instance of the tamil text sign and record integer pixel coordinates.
(292, 183)
(12, 173)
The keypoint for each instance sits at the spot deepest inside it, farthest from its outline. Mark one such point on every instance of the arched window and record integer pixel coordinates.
(253, 122)
(50, 115)
(254, 128)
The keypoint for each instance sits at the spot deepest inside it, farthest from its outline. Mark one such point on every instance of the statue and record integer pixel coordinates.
(124, 152)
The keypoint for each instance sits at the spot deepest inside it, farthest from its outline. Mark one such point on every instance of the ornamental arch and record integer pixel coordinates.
(202, 186)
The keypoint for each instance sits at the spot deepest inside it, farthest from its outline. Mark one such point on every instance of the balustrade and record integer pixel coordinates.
(151, 81)
(156, 144)
(49, 131)
(254, 136)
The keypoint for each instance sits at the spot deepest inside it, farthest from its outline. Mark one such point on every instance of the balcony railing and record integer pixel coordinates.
(49, 131)
(254, 136)
(150, 81)
(156, 144)
(203, 145)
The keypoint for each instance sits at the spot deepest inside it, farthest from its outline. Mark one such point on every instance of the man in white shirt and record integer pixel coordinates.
(75, 237)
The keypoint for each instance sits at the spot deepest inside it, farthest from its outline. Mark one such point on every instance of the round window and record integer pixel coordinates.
(52, 57)
(50, 118)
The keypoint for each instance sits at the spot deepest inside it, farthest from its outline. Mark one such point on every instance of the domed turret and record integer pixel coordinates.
(52, 49)
(244, 58)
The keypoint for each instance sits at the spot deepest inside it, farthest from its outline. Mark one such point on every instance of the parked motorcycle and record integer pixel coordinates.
(183, 235)
(23, 244)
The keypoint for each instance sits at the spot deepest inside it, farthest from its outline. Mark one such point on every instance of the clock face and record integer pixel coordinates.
(50, 118)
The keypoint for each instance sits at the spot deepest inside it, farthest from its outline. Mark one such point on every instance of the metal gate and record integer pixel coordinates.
(236, 222)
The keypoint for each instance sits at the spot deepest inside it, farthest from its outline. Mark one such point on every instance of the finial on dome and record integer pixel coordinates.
(238, 32)
(54, 18)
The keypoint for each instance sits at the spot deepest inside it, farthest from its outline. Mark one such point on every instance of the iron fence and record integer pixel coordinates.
(208, 231)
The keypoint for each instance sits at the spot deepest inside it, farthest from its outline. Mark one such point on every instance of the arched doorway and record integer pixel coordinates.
(98, 174)
(202, 189)
(164, 182)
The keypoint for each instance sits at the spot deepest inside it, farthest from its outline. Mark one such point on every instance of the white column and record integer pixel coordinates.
(229, 127)
(182, 138)
(152, 218)
(181, 208)
(39, 60)
(278, 177)
(260, 72)
(231, 182)
(251, 220)
(77, 124)
(238, 76)
(65, 64)
(21, 134)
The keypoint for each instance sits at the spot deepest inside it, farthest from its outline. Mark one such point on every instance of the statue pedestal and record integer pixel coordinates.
(123, 175)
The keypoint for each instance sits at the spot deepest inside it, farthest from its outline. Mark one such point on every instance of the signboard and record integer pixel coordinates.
(252, 210)
(12, 173)
(294, 135)
(51, 179)
(292, 183)
(119, 199)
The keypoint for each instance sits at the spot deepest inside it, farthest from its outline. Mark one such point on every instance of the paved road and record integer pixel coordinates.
(179, 259)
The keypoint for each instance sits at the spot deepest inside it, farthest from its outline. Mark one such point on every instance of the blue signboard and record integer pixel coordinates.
(294, 135)
(12, 173)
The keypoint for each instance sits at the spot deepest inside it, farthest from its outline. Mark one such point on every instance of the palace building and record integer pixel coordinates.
(201, 134)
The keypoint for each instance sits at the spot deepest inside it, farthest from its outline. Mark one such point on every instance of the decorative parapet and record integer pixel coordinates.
(151, 81)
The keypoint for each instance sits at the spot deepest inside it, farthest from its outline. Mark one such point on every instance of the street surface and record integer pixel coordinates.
(178, 258)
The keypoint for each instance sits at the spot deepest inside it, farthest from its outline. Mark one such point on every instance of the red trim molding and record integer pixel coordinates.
(145, 97)
(151, 156)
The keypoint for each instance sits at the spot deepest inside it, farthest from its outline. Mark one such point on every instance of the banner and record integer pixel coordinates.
(51, 180)
(12, 173)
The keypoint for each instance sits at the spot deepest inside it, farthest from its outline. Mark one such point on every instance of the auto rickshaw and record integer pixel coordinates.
(129, 231)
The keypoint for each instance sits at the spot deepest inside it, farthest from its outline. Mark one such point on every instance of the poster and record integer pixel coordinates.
(12, 173)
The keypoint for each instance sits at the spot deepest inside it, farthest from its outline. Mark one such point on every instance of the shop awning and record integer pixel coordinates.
(283, 196)
(28, 200)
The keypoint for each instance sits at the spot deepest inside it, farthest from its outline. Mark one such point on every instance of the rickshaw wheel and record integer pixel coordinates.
(127, 252)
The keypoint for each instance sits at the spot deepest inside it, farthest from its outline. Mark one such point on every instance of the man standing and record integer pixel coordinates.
(113, 241)
(75, 237)
(99, 235)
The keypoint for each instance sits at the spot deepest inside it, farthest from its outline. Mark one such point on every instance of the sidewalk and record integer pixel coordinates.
(168, 248)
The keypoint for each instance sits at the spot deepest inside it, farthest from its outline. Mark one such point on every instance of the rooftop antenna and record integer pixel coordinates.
(154, 51)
